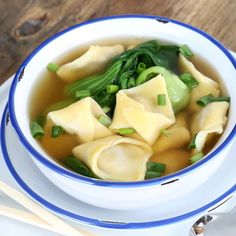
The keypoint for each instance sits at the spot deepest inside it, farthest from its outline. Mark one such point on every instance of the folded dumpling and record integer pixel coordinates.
(80, 118)
(206, 85)
(115, 158)
(177, 136)
(211, 119)
(90, 62)
(137, 108)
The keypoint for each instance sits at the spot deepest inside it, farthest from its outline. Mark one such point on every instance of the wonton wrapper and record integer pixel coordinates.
(80, 118)
(205, 87)
(210, 119)
(90, 62)
(176, 136)
(137, 108)
(115, 158)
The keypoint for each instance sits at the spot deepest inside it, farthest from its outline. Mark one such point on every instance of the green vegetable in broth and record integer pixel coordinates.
(78, 166)
(197, 157)
(36, 130)
(152, 175)
(141, 67)
(210, 98)
(189, 80)
(184, 49)
(156, 167)
(56, 131)
(178, 92)
(123, 70)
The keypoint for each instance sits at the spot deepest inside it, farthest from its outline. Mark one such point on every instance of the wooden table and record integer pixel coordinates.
(26, 23)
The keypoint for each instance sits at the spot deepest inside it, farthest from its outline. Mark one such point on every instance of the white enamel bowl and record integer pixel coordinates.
(120, 195)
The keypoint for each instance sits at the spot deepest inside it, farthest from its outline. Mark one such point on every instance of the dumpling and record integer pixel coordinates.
(137, 108)
(206, 85)
(211, 119)
(90, 62)
(115, 158)
(80, 119)
(175, 137)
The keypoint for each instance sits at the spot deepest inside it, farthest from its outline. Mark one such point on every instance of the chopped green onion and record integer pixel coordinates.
(36, 130)
(161, 99)
(192, 144)
(152, 175)
(195, 158)
(184, 49)
(131, 82)
(56, 131)
(165, 132)
(82, 94)
(53, 67)
(189, 80)
(156, 166)
(105, 120)
(106, 109)
(140, 68)
(112, 88)
(124, 131)
(78, 166)
(210, 98)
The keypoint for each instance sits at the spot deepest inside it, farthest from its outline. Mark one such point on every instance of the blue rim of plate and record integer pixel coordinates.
(135, 184)
(91, 221)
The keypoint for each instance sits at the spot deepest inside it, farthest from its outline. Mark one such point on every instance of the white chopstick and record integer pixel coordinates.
(41, 214)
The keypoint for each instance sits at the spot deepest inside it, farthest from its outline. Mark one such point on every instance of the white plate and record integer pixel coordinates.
(38, 184)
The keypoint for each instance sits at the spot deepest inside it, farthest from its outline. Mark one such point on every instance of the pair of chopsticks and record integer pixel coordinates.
(39, 217)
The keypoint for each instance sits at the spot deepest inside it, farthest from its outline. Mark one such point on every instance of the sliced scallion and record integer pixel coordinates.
(210, 98)
(184, 49)
(195, 158)
(106, 109)
(124, 131)
(41, 120)
(189, 80)
(152, 175)
(141, 67)
(56, 131)
(161, 99)
(53, 67)
(105, 120)
(112, 88)
(165, 132)
(192, 143)
(36, 130)
(82, 94)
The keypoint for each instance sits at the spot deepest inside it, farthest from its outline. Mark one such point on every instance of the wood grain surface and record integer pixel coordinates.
(26, 23)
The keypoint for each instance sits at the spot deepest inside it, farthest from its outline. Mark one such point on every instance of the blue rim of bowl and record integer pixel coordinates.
(91, 221)
(135, 184)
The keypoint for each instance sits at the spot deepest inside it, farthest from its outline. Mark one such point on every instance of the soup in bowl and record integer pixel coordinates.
(134, 115)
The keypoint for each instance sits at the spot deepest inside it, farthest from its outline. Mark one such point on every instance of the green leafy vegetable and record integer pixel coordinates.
(210, 98)
(59, 105)
(82, 94)
(177, 90)
(122, 71)
(156, 166)
(184, 49)
(78, 166)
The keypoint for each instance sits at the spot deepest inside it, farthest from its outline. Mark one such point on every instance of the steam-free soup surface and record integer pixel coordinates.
(51, 89)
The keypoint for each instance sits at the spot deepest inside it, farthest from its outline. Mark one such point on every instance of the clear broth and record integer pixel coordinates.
(50, 89)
